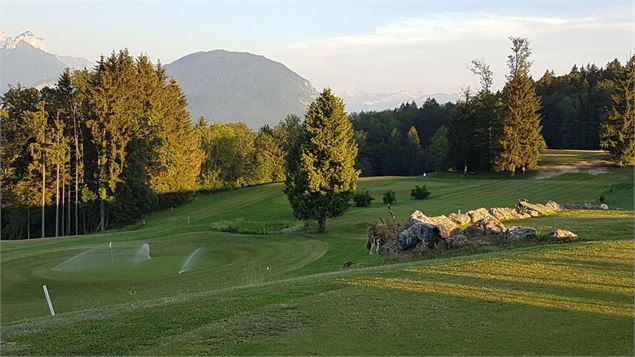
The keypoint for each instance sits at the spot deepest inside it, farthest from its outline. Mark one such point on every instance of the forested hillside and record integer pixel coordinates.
(104, 147)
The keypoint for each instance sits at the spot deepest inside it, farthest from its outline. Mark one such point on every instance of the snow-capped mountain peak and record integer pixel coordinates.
(28, 37)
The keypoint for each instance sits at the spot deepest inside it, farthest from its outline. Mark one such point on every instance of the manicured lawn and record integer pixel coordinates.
(287, 293)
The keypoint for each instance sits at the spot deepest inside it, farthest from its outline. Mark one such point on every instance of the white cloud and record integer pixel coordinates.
(430, 53)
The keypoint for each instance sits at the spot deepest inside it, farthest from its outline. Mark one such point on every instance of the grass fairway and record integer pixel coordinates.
(287, 293)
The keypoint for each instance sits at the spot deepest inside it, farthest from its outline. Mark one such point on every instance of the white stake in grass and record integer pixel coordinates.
(112, 258)
(48, 300)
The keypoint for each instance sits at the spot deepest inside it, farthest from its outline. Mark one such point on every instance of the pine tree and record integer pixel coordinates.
(520, 140)
(326, 177)
(617, 135)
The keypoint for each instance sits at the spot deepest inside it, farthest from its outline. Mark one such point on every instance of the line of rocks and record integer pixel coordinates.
(482, 227)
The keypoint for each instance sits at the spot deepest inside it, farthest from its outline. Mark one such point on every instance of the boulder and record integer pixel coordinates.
(419, 232)
(537, 209)
(445, 224)
(461, 219)
(421, 249)
(414, 240)
(554, 206)
(390, 250)
(604, 206)
(477, 214)
(520, 233)
(487, 226)
(506, 214)
(456, 241)
(416, 216)
(560, 236)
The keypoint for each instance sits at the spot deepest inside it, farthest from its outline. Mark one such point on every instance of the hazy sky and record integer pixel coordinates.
(367, 46)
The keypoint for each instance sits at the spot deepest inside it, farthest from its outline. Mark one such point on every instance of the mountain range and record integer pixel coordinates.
(235, 86)
(220, 85)
(25, 59)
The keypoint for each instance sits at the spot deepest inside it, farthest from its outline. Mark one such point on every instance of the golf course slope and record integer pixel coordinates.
(233, 273)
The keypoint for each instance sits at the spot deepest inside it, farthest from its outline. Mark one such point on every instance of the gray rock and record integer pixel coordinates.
(456, 241)
(427, 233)
(487, 226)
(520, 233)
(604, 206)
(445, 224)
(560, 236)
(584, 205)
(390, 250)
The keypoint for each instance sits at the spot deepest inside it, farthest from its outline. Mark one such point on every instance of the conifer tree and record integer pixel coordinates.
(326, 177)
(520, 140)
(617, 135)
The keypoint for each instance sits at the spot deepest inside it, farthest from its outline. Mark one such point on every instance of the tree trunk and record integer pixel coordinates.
(321, 225)
(28, 221)
(43, 193)
(70, 204)
(523, 167)
(102, 216)
(63, 221)
(76, 174)
(57, 201)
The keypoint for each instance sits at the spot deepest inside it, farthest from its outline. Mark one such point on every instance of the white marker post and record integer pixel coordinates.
(48, 300)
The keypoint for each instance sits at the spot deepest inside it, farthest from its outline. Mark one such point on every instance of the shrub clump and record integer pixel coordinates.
(420, 193)
(362, 199)
(253, 227)
(389, 197)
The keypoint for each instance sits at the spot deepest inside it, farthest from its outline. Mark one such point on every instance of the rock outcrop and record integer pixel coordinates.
(585, 205)
(560, 236)
(446, 225)
(460, 219)
(416, 239)
(477, 214)
(520, 233)
(537, 209)
(507, 214)
(423, 235)
(487, 226)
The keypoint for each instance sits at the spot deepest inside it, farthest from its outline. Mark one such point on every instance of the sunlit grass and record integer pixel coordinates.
(557, 278)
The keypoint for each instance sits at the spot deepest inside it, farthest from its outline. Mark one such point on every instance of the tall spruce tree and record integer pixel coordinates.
(617, 135)
(325, 176)
(520, 140)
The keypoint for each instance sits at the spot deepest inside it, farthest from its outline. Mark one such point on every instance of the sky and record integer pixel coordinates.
(350, 46)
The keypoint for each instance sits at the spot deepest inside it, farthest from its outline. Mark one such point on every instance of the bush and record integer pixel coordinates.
(253, 227)
(602, 199)
(389, 197)
(420, 193)
(362, 199)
